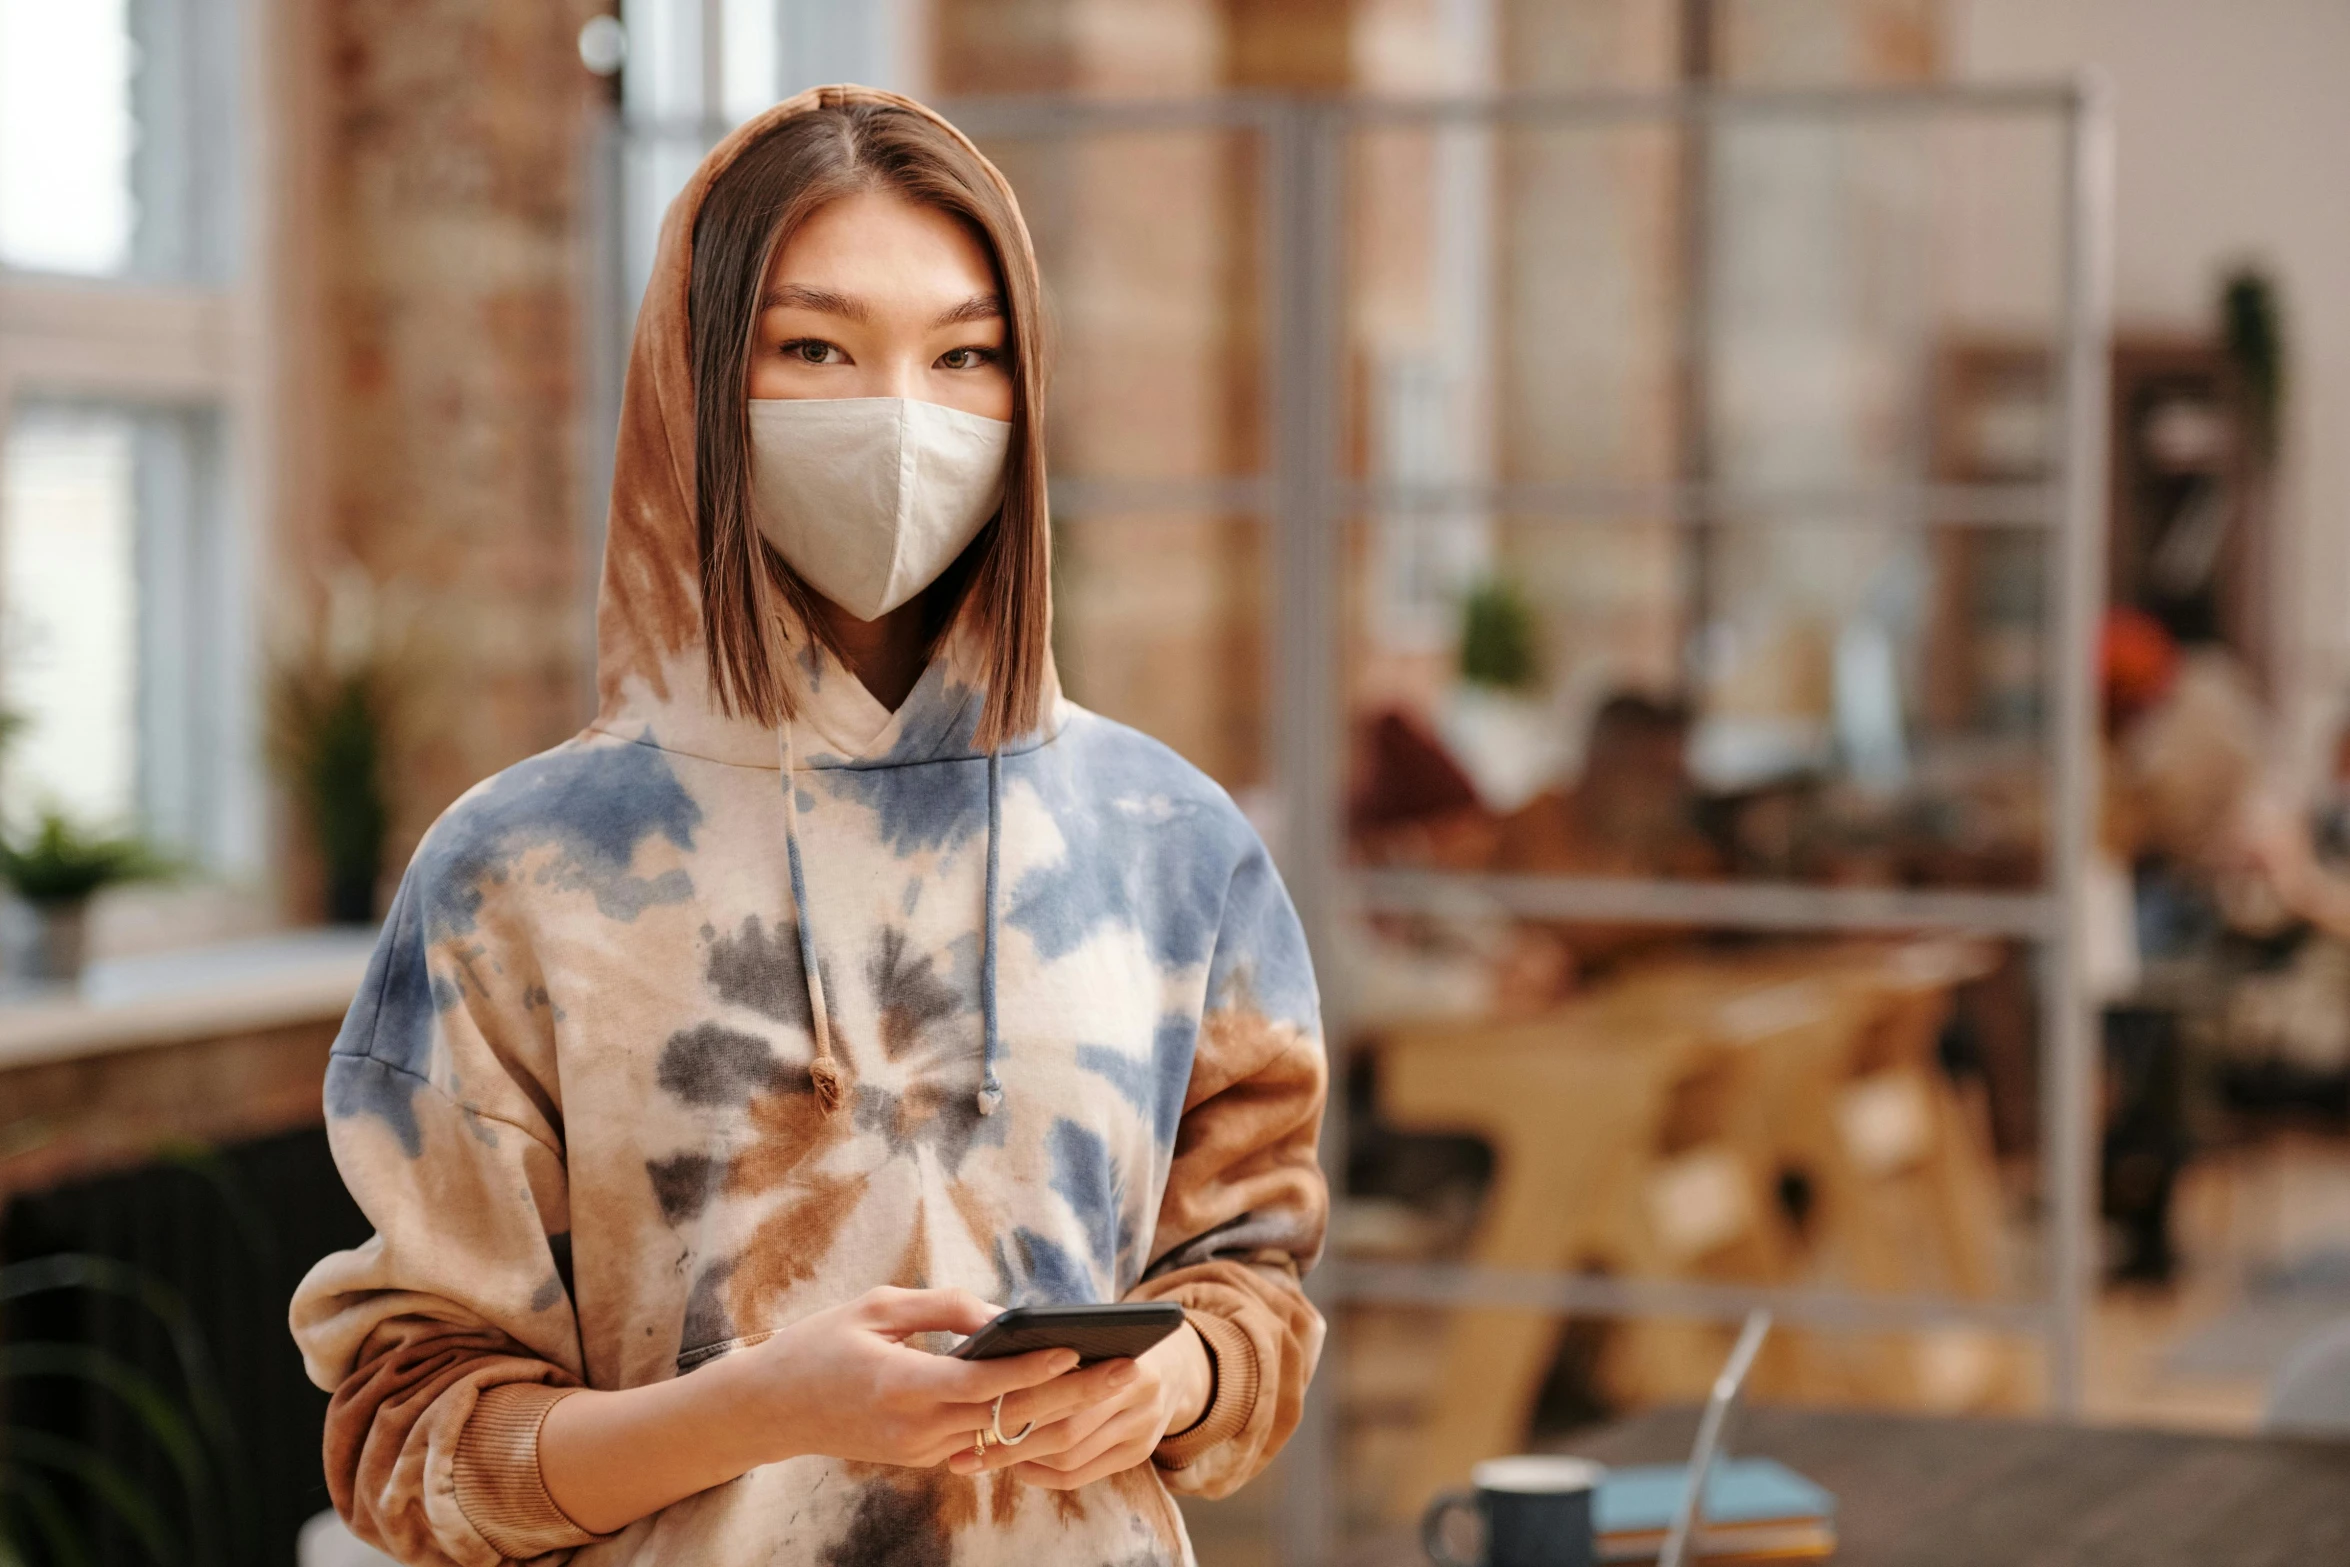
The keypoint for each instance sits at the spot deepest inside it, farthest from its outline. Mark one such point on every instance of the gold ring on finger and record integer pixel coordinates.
(979, 1444)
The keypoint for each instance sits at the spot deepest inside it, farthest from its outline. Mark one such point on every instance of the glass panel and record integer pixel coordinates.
(1683, 1111)
(1752, 423)
(120, 662)
(69, 549)
(1159, 623)
(1760, 303)
(66, 135)
(117, 123)
(1150, 248)
(1881, 720)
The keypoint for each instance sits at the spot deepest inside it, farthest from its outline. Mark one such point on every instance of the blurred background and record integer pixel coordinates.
(1773, 571)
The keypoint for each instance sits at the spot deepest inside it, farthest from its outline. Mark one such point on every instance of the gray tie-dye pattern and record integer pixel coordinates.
(753, 968)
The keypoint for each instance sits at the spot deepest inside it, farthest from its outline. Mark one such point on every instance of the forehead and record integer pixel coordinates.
(879, 241)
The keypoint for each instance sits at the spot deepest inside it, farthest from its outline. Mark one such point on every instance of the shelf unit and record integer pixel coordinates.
(1310, 499)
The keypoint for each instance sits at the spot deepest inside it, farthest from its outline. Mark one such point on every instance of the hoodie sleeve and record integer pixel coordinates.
(1245, 1203)
(446, 1338)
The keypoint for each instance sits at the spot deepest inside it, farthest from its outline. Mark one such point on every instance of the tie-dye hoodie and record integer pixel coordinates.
(574, 1093)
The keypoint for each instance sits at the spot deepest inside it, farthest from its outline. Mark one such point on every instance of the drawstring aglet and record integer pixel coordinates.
(824, 1075)
(989, 1099)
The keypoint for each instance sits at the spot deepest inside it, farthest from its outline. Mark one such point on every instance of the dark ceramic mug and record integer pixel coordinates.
(1536, 1512)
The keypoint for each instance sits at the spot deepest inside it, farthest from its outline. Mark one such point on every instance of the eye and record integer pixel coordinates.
(967, 358)
(813, 351)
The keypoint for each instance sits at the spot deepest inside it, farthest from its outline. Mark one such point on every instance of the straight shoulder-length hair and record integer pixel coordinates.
(999, 591)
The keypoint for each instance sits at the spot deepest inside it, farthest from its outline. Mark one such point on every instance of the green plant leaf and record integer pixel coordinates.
(63, 862)
(1497, 638)
(105, 1480)
(172, 1430)
(67, 1548)
(82, 1270)
(203, 1161)
(207, 1401)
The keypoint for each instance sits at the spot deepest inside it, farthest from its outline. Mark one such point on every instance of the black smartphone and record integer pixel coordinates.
(1097, 1333)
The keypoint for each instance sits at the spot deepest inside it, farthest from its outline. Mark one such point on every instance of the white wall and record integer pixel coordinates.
(2233, 143)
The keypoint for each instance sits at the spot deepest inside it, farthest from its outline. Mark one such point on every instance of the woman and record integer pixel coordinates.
(719, 1065)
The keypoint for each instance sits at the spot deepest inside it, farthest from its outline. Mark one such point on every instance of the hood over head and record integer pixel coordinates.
(652, 666)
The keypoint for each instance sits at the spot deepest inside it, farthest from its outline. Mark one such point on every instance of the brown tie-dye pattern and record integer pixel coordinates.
(789, 1130)
(789, 1244)
(400, 1391)
(913, 1269)
(1246, 1146)
(980, 1218)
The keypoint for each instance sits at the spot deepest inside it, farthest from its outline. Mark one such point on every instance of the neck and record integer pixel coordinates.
(886, 655)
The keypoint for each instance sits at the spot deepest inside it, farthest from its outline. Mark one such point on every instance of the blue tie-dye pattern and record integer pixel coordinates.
(1090, 1182)
(1154, 845)
(917, 806)
(1150, 845)
(1038, 1271)
(595, 804)
(1155, 1087)
(397, 997)
(592, 803)
(928, 791)
(1261, 958)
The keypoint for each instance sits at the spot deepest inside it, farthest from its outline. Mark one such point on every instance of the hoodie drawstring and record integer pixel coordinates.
(991, 1092)
(824, 1071)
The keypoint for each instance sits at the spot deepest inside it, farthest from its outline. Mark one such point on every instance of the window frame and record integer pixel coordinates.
(220, 341)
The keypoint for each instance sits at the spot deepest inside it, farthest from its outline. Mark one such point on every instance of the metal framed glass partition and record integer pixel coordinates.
(1326, 365)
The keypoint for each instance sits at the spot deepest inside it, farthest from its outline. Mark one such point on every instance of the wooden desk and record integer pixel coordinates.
(1917, 1492)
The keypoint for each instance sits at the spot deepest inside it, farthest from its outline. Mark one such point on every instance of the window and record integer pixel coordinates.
(127, 426)
(115, 131)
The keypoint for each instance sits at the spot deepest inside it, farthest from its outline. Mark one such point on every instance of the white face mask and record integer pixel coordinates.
(870, 498)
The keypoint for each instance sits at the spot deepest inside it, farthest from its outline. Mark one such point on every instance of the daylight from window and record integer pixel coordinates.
(68, 645)
(65, 135)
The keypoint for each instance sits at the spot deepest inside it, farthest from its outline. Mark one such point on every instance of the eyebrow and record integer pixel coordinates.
(979, 307)
(822, 300)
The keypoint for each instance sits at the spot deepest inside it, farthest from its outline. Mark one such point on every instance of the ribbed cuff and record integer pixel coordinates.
(499, 1488)
(1232, 1357)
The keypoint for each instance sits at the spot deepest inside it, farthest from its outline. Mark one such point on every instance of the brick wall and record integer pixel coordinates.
(448, 240)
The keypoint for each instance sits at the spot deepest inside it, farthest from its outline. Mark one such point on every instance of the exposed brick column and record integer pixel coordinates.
(448, 239)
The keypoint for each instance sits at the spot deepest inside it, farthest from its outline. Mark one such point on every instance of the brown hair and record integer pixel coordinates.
(1000, 587)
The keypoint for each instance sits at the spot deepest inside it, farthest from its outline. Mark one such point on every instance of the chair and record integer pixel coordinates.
(2311, 1393)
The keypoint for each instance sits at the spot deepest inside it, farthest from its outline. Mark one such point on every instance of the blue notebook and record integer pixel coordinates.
(1739, 1491)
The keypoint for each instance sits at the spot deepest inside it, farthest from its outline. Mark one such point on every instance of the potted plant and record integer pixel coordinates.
(1495, 720)
(56, 870)
(334, 707)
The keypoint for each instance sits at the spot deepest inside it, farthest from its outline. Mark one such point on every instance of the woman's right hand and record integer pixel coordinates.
(844, 1383)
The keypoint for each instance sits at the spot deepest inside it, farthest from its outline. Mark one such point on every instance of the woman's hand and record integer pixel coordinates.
(846, 1384)
(1103, 1419)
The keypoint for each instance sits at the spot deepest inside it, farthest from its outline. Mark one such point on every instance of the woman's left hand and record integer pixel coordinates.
(1164, 1389)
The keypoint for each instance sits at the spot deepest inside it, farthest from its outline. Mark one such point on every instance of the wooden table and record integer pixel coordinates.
(1914, 1492)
